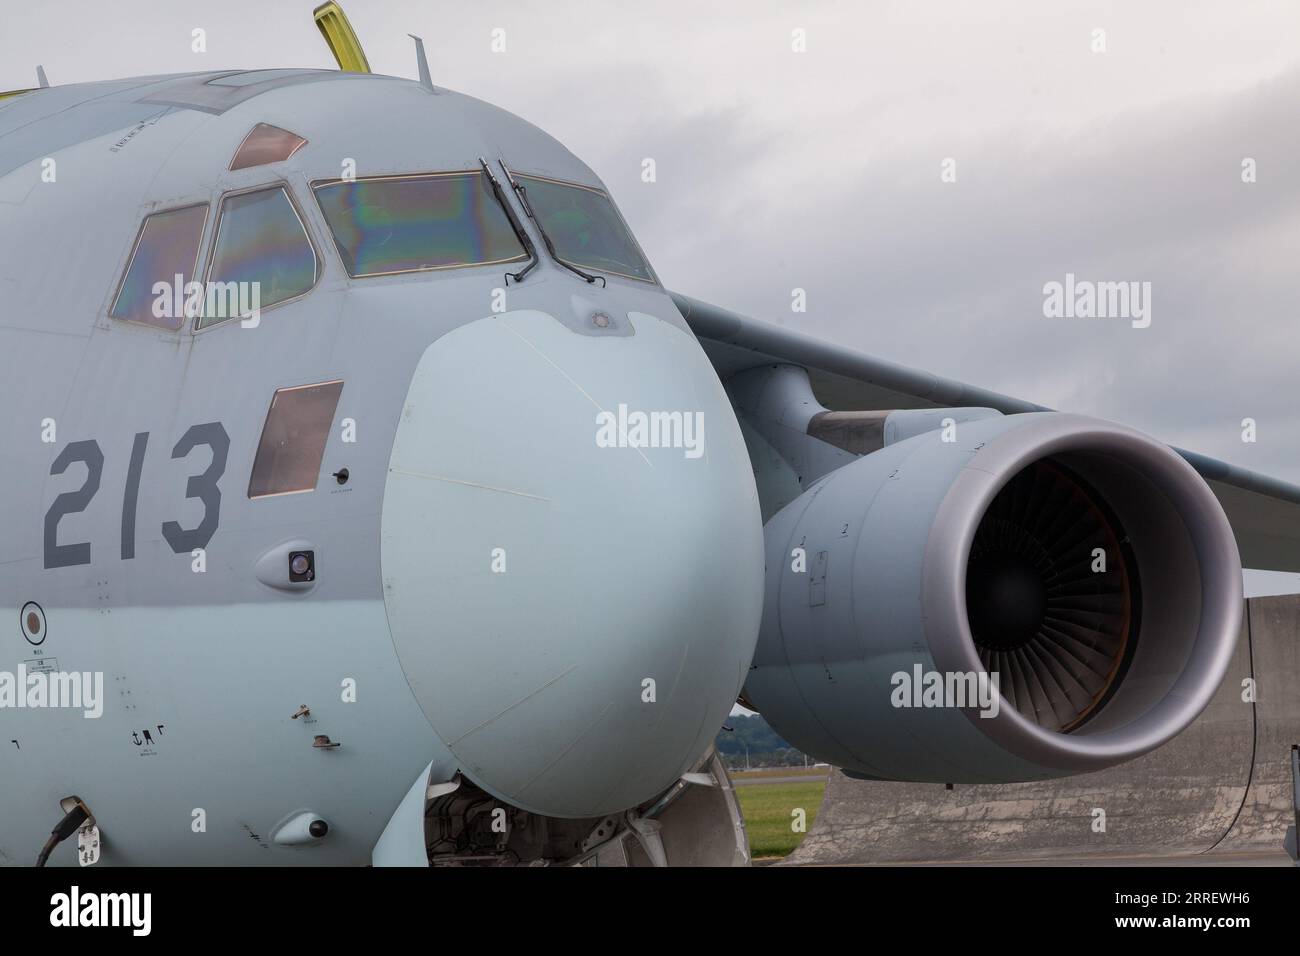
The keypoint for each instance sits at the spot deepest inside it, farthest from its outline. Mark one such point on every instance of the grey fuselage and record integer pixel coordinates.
(470, 437)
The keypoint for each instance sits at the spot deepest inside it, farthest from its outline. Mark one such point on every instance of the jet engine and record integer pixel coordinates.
(1007, 599)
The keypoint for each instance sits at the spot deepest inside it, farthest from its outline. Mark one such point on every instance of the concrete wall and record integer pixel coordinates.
(1222, 785)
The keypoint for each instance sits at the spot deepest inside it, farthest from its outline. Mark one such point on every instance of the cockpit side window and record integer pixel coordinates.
(585, 227)
(392, 224)
(293, 441)
(166, 251)
(262, 256)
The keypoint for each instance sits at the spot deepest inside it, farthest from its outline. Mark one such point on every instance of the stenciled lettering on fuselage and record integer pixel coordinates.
(204, 487)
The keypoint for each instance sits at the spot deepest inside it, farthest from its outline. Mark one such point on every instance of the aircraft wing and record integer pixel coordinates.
(1265, 512)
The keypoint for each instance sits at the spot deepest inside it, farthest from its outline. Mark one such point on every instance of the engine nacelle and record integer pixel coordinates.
(1084, 566)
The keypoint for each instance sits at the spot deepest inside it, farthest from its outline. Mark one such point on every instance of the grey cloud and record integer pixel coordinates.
(950, 276)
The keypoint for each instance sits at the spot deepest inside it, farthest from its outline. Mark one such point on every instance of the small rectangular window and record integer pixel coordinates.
(293, 440)
(166, 251)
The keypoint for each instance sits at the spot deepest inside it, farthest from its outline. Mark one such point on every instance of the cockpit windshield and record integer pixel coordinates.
(412, 223)
(585, 227)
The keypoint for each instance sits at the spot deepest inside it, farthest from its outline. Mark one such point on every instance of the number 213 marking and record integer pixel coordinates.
(204, 487)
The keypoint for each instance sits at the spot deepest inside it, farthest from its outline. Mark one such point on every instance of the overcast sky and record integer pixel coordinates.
(821, 169)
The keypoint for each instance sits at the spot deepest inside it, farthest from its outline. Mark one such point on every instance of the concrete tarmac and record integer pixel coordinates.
(1219, 794)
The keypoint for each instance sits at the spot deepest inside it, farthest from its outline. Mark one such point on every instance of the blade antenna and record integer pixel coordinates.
(41, 78)
(426, 80)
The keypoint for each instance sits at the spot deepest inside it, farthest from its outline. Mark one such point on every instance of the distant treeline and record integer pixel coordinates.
(766, 748)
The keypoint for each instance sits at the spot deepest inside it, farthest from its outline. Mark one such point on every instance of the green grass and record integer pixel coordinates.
(768, 814)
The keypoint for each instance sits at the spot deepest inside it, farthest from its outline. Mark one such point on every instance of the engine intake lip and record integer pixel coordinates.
(943, 591)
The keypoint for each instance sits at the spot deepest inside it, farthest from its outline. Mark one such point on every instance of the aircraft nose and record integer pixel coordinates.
(575, 609)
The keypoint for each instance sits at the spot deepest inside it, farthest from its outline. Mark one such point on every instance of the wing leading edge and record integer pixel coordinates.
(1265, 512)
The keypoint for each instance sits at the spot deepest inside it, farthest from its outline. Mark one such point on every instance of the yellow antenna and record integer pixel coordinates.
(341, 38)
(40, 78)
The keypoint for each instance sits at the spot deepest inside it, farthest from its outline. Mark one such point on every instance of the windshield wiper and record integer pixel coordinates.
(520, 233)
(519, 189)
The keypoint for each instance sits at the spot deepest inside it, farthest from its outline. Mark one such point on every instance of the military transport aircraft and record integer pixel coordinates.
(354, 447)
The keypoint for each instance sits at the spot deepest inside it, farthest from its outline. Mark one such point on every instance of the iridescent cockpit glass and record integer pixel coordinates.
(166, 251)
(412, 223)
(585, 228)
(261, 246)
